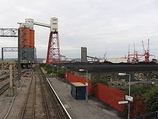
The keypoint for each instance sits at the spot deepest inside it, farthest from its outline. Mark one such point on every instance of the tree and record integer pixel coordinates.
(151, 99)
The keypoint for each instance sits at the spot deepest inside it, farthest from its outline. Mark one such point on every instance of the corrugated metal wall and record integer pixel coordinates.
(138, 107)
(110, 96)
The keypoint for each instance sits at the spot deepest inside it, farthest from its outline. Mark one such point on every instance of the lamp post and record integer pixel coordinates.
(56, 74)
(129, 92)
(86, 96)
(66, 74)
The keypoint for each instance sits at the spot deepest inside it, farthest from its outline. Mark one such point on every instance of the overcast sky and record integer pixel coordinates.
(100, 25)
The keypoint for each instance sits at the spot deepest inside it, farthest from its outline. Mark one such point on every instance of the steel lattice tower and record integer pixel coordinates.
(53, 53)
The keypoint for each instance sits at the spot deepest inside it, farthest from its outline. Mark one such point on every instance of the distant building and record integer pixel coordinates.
(44, 61)
(62, 58)
(117, 60)
(83, 54)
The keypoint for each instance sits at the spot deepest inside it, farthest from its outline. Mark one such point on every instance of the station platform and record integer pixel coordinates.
(82, 109)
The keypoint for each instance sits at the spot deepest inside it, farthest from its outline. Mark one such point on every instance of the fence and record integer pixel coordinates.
(110, 96)
(73, 78)
(138, 106)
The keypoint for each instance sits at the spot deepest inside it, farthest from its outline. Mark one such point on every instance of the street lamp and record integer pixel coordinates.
(86, 96)
(66, 74)
(128, 98)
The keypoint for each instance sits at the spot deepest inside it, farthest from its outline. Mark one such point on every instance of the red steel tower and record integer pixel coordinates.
(53, 53)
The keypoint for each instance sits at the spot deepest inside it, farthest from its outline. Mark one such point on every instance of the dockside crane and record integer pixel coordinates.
(136, 56)
(146, 52)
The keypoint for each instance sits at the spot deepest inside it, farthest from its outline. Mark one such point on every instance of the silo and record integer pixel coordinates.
(32, 45)
(24, 37)
(26, 44)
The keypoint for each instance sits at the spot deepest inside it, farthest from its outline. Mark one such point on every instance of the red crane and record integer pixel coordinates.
(135, 57)
(146, 52)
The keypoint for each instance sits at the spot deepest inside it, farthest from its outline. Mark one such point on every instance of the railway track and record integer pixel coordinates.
(28, 111)
(50, 100)
(4, 88)
(41, 101)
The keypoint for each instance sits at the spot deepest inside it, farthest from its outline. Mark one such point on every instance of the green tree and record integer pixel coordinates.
(138, 90)
(151, 99)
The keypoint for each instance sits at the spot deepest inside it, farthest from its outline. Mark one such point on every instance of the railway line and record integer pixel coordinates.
(4, 88)
(50, 100)
(28, 110)
(40, 100)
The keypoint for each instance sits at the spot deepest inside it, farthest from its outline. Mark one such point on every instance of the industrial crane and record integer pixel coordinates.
(135, 57)
(146, 52)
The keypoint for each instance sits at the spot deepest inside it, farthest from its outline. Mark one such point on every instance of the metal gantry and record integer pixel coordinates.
(8, 49)
(8, 32)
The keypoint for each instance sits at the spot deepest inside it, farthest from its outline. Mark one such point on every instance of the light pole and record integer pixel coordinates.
(86, 96)
(129, 92)
(66, 74)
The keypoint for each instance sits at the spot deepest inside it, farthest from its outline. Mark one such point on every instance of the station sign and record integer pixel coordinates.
(122, 102)
(129, 98)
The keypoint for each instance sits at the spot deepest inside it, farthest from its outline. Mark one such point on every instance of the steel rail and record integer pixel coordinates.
(12, 102)
(57, 101)
(26, 101)
(4, 88)
(54, 102)
(25, 111)
(66, 112)
(34, 97)
(59, 110)
(43, 98)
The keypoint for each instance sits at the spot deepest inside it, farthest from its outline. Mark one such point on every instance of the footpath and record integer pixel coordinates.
(81, 109)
